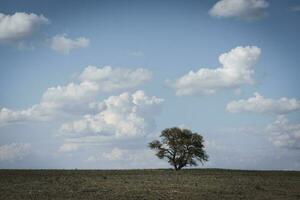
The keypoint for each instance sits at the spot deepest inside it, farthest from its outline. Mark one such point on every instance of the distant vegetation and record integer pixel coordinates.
(181, 147)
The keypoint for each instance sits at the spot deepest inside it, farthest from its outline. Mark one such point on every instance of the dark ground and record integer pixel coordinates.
(211, 184)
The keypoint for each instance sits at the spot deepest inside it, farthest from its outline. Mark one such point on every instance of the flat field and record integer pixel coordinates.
(157, 184)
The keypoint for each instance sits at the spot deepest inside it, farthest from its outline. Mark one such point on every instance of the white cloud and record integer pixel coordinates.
(126, 115)
(236, 70)
(109, 79)
(39, 112)
(260, 104)
(7, 115)
(45, 111)
(94, 80)
(243, 9)
(20, 25)
(14, 151)
(284, 134)
(63, 44)
(76, 98)
(69, 147)
(70, 94)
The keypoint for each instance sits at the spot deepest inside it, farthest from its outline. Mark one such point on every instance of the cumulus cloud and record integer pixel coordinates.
(123, 116)
(19, 26)
(243, 9)
(284, 134)
(39, 112)
(109, 79)
(236, 70)
(260, 104)
(76, 98)
(94, 80)
(14, 151)
(70, 94)
(69, 147)
(63, 44)
(48, 109)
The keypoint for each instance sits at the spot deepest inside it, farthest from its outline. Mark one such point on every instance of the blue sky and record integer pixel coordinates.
(88, 85)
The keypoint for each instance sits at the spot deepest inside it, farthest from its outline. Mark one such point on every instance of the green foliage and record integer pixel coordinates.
(180, 147)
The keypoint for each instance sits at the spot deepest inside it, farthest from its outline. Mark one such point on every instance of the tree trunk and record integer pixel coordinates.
(181, 166)
(175, 168)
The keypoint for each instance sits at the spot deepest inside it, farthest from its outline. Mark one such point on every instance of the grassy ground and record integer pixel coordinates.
(148, 184)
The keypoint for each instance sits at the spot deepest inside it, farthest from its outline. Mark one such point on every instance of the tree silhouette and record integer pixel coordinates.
(181, 147)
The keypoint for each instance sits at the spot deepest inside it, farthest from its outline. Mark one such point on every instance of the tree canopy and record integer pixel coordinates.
(181, 147)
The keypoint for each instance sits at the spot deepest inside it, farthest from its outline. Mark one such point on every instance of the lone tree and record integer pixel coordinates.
(180, 147)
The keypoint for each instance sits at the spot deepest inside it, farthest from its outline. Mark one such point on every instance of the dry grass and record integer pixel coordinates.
(148, 184)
